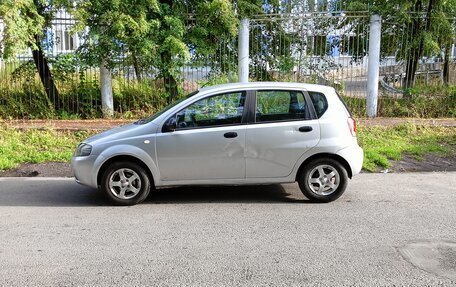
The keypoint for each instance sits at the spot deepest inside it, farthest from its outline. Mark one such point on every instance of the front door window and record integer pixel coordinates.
(219, 110)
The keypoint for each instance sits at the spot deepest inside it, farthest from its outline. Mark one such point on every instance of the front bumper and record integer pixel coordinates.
(83, 168)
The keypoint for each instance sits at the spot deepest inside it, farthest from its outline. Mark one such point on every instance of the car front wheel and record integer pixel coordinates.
(125, 183)
(323, 180)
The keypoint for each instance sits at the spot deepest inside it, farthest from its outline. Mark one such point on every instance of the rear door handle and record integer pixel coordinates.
(305, 129)
(230, 135)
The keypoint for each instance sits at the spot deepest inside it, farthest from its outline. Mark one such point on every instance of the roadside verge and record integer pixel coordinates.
(30, 148)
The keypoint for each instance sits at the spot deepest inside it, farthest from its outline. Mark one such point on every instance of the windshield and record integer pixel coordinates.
(157, 114)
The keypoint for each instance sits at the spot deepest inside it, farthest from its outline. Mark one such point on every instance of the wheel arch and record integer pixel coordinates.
(128, 158)
(336, 157)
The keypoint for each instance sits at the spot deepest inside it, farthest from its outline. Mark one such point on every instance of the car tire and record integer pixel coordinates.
(125, 183)
(323, 180)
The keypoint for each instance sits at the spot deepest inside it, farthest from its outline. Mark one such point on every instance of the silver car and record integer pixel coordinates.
(233, 134)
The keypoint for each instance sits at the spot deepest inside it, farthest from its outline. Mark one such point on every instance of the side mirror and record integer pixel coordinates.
(170, 125)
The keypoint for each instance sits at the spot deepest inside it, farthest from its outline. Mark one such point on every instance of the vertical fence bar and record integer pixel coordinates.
(373, 67)
(243, 54)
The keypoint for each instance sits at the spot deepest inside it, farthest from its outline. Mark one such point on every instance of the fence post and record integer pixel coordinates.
(107, 106)
(373, 65)
(243, 52)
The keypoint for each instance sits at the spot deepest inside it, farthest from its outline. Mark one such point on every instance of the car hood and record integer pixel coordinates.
(122, 132)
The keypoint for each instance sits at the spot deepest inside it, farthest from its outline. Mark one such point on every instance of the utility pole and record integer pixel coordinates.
(373, 66)
(107, 106)
(243, 52)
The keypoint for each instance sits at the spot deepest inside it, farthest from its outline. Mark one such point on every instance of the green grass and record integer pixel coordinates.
(36, 146)
(382, 144)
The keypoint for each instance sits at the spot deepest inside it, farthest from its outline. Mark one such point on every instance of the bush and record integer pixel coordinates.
(422, 102)
(138, 99)
(30, 103)
(22, 94)
(80, 99)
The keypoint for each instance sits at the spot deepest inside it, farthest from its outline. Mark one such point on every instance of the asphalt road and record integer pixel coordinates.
(387, 230)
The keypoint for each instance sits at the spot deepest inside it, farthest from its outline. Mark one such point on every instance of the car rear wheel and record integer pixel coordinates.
(323, 180)
(125, 183)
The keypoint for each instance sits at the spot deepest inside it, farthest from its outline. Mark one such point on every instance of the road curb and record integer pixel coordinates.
(24, 178)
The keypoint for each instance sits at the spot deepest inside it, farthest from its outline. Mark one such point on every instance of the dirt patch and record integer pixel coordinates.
(46, 169)
(68, 125)
(392, 122)
(430, 162)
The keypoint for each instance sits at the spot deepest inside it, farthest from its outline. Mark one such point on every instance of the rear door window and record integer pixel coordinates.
(275, 105)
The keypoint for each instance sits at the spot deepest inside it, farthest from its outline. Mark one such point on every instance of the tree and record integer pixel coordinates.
(445, 19)
(271, 49)
(412, 29)
(25, 23)
(156, 34)
(110, 29)
(197, 25)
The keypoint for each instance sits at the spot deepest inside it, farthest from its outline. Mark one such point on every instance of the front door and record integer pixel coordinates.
(208, 143)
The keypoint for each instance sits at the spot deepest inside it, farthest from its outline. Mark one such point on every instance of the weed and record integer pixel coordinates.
(422, 102)
(35, 146)
(382, 144)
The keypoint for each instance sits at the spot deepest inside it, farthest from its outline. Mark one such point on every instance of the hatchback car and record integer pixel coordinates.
(232, 134)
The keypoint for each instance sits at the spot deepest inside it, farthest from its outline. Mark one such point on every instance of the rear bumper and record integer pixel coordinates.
(354, 156)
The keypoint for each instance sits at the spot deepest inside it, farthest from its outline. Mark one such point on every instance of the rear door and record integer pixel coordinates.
(283, 128)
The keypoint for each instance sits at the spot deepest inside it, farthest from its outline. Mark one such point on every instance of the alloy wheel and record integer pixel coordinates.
(323, 180)
(124, 183)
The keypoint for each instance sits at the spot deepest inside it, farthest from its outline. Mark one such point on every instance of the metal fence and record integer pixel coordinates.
(400, 50)
(328, 48)
(136, 92)
(332, 48)
(315, 47)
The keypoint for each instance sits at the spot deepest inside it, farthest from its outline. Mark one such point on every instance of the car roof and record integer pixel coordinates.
(267, 85)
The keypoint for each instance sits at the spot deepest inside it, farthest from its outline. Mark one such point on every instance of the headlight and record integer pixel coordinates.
(83, 150)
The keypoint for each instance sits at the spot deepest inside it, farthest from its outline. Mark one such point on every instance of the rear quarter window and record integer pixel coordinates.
(319, 102)
(345, 105)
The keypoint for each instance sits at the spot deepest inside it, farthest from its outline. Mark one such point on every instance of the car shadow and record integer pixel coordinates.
(224, 194)
(53, 193)
(68, 193)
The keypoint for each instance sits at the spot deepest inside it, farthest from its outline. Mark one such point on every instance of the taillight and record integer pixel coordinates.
(352, 126)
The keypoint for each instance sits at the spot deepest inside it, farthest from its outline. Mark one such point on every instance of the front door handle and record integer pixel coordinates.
(230, 135)
(305, 129)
